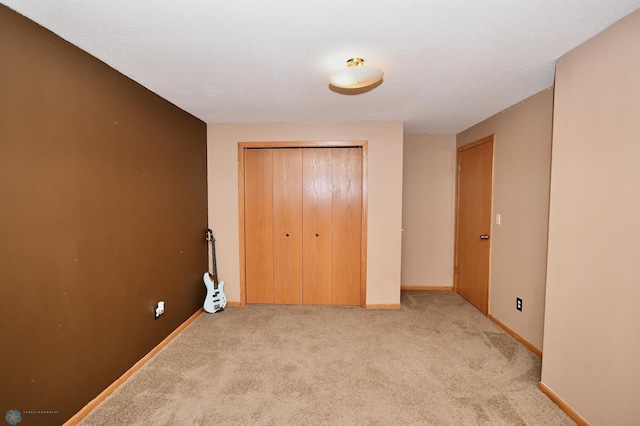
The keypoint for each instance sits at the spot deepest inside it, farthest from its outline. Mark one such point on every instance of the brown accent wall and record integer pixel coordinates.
(103, 207)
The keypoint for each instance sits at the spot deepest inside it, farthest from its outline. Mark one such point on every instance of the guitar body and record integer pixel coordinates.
(215, 300)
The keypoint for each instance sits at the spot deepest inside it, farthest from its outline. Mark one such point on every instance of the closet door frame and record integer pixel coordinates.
(303, 144)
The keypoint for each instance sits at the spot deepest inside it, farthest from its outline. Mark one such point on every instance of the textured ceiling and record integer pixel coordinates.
(448, 64)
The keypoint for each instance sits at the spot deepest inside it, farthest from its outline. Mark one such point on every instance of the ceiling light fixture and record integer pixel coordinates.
(356, 75)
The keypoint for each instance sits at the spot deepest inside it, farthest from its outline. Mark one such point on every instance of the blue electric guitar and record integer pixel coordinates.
(215, 300)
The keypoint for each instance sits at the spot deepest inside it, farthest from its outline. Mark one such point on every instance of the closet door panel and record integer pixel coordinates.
(318, 236)
(287, 226)
(347, 225)
(258, 218)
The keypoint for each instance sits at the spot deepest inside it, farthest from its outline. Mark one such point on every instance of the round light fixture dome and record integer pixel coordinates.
(356, 75)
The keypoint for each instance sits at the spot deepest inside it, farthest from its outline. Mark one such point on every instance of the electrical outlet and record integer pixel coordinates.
(159, 310)
(519, 304)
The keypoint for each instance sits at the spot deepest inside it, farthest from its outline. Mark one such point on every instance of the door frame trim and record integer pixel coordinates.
(488, 139)
(304, 144)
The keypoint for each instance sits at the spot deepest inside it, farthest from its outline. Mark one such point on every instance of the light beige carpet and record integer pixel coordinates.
(437, 361)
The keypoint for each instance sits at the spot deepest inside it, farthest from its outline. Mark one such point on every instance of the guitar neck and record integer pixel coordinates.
(214, 265)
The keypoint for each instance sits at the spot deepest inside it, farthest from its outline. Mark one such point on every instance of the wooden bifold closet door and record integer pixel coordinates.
(303, 224)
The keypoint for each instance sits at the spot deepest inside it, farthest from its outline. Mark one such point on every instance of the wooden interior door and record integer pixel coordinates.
(318, 229)
(258, 225)
(347, 225)
(332, 206)
(287, 226)
(474, 200)
(303, 223)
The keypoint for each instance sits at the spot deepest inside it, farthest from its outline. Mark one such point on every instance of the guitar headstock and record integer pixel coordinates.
(209, 235)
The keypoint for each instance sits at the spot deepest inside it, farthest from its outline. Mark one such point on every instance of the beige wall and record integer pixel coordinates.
(428, 210)
(592, 320)
(521, 196)
(384, 194)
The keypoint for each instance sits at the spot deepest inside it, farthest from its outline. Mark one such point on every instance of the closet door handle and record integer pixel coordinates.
(317, 235)
(484, 237)
(286, 235)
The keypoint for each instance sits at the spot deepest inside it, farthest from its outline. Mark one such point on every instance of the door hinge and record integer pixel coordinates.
(459, 166)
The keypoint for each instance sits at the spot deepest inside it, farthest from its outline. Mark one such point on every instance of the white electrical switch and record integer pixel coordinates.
(159, 309)
(498, 219)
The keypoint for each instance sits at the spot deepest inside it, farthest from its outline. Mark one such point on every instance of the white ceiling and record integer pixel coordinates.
(448, 64)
